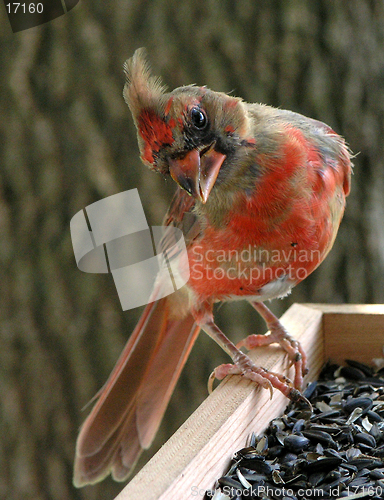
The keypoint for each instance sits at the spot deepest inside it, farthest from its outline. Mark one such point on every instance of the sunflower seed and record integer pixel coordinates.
(296, 443)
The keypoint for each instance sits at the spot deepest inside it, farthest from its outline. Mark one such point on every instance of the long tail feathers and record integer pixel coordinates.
(132, 403)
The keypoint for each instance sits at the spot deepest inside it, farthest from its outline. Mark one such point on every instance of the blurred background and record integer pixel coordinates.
(67, 140)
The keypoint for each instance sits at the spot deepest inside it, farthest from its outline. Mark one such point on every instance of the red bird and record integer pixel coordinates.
(261, 193)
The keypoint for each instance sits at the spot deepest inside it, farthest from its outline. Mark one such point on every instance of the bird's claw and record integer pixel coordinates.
(220, 372)
(297, 397)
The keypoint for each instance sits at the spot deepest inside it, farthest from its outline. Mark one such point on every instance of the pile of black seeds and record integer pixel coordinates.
(334, 451)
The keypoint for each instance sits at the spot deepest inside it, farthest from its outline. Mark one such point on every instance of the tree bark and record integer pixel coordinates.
(68, 140)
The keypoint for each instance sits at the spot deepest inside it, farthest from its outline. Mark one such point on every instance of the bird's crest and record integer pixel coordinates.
(142, 90)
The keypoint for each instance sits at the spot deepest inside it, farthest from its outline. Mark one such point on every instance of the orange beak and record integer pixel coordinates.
(196, 172)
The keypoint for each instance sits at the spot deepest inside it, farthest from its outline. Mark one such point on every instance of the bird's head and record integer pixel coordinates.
(188, 133)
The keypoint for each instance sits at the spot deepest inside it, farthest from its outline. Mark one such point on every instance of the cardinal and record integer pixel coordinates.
(260, 193)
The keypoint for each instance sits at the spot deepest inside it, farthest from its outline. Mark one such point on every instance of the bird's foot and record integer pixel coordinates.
(267, 379)
(279, 335)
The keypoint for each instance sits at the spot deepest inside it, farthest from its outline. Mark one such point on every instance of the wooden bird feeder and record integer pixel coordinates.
(200, 451)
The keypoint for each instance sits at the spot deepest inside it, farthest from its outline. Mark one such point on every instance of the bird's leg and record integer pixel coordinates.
(243, 365)
(278, 334)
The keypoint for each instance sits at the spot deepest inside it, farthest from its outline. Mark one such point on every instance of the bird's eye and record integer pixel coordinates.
(199, 118)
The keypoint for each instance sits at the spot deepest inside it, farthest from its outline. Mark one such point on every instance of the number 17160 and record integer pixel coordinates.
(25, 8)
